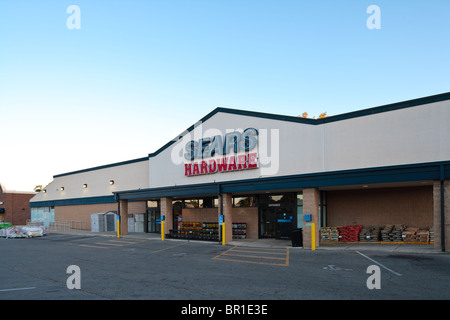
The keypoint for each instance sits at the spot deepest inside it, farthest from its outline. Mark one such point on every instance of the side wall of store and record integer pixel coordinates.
(82, 213)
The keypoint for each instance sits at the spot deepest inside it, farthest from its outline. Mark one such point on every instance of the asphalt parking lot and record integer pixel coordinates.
(150, 269)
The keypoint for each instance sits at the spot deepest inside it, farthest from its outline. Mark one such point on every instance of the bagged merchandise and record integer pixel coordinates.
(350, 233)
(409, 234)
(5, 232)
(386, 233)
(329, 234)
(22, 232)
(397, 232)
(33, 231)
(13, 232)
(364, 233)
(423, 235)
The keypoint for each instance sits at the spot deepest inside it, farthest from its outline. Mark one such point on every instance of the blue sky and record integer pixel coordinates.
(139, 72)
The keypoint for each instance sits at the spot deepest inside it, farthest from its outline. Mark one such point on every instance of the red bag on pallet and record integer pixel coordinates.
(350, 233)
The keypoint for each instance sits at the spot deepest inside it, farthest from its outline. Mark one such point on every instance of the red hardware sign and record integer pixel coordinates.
(239, 144)
(225, 164)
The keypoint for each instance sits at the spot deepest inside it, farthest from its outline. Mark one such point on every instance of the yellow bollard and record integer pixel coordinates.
(313, 236)
(223, 233)
(162, 230)
(118, 227)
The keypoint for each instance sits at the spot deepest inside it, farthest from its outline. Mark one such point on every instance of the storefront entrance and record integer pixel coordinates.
(277, 216)
(276, 222)
(153, 220)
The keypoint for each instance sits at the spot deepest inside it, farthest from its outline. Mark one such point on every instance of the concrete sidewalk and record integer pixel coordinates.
(272, 243)
(384, 247)
(113, 234)
(352, 246)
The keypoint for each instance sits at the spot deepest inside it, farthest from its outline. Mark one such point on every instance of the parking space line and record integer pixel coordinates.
(134, 239)
(248, 261)
(17, 289)
(259, 253)
(251, 256)
(92, 246)
(381, 265)
(264, 252)
(110, 244)
(123, 241)
(178, 245)
(262, 248)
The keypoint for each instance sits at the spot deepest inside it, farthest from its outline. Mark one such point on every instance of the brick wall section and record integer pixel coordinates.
(123, 209)
(311, 206)
(437, 214)
(167, 212)
(412, 206)
(82, 213)
(17, 206)
(249, 216)
(200, 215)
(228, 216)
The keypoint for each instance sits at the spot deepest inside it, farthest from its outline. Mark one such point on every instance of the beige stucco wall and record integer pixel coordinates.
(405, 136)
(126, 177)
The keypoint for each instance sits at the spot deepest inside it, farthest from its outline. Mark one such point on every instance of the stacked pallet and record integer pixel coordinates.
(392, 233)
(364, 233)
(349, 233)
(387, 234)
(374, 235)
(423, 235)
(334, 234)
(324, 234)
(328, 234)
(409, 234)
(397, 232)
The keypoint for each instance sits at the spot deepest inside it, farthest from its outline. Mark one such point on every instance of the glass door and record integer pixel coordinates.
(276, 222)
(285, 222)
(267, 221)
(154, 221)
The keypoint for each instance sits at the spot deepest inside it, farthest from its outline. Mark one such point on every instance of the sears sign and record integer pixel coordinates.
(230, 152)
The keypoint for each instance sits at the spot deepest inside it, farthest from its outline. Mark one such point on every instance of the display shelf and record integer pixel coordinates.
(239, 230)
(196, 231)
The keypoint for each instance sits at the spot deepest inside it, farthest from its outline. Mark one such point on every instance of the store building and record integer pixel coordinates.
(15, 205)
(266, 175)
